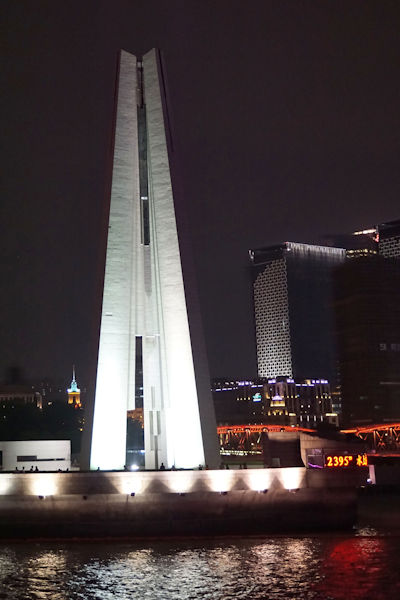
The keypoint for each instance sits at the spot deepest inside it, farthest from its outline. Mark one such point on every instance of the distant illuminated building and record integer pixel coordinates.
(382, 239)
(279, 400)
(74, 393)
(292, 306)
(136, 414)
(51, 391)
(305, 403)
(357, 244)
(17, 395)
(238, 401)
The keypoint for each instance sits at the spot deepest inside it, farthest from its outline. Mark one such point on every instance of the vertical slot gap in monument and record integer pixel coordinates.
(143, 176)
(135, 432)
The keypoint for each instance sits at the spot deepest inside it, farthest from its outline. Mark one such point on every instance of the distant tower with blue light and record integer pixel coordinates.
(74, 393)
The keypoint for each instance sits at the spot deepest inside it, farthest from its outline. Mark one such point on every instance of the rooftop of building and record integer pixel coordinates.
(262, 255)
(233, 384)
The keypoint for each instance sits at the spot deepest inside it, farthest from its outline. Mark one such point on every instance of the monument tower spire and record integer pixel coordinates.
(149, 294)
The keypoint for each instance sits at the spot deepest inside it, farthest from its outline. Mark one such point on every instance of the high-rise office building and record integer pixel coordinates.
(389, 239)
(367, 315)
(367, 319)
(149, 298)
(292, 286)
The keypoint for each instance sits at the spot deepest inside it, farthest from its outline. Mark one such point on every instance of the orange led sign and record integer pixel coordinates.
(349, 460)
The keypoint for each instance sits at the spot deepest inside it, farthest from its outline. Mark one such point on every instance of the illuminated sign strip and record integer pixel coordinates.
(351, 460)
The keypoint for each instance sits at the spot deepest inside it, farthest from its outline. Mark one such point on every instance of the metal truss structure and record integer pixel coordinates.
(382, 438)
(247, 439)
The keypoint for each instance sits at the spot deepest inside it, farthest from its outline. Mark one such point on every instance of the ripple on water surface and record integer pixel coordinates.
(332, 567)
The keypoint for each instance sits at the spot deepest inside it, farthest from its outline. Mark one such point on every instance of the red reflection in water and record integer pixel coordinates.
(353, 569)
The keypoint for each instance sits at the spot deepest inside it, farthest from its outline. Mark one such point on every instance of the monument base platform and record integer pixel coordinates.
(174, 503)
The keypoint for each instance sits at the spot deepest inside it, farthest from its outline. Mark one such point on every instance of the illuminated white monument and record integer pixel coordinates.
(147, 295)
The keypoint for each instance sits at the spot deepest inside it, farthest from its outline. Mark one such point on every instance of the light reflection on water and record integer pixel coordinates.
(321, 567)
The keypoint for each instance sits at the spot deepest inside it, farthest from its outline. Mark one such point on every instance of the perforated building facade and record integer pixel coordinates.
(389, 239)
(292, 286)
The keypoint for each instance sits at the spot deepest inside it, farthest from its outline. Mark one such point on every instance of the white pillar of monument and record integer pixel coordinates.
(144, 295)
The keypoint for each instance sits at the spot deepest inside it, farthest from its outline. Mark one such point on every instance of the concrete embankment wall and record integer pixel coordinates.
(119, 504)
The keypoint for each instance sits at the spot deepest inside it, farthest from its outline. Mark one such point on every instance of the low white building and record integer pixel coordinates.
(32, 455)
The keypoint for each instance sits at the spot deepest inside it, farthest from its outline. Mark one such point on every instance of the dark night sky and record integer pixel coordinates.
(287, 117)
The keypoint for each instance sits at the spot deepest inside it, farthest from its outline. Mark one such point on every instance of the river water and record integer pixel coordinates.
(363, 564)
